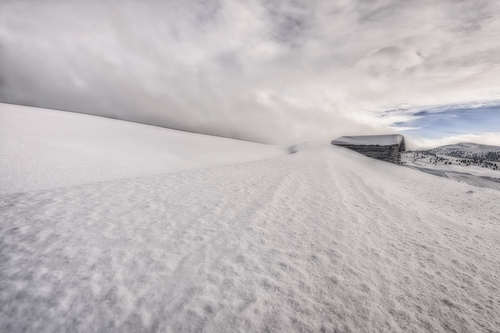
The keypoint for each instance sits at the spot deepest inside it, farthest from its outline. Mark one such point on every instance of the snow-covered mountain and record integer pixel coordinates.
(470, 151)
(110, 226)
(471, 163)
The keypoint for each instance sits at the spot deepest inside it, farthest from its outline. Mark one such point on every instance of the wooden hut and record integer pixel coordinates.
(381, 147)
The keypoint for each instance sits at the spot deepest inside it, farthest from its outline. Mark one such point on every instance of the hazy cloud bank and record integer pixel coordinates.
(267, 71)
(486, 139)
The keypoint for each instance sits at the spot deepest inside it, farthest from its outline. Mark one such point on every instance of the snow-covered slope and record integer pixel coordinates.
(321, 239)
(474, 164)
(472, 175)
(43, 149)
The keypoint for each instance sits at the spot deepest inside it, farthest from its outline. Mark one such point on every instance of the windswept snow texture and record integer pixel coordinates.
(471, 177)
(319, 240)
(380, 140)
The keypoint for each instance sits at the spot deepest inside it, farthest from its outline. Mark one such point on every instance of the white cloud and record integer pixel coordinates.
(391, 59)
(269, 71)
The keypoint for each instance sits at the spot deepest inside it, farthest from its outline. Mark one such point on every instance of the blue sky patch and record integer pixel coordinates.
(450, 122)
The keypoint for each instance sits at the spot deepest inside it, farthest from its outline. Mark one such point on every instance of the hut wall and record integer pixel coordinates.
(385, 153)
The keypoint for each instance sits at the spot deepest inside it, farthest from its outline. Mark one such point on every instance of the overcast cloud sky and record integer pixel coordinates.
(261, 70)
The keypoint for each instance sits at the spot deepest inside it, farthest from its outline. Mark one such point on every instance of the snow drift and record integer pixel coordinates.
(148, 229)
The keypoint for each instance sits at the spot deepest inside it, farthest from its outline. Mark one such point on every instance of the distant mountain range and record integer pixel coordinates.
(470, 163)
(470, 151)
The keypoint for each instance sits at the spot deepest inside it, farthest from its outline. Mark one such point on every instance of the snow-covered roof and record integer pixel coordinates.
(380, 140)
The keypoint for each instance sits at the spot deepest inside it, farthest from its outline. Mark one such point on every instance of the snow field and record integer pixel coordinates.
(472, 175)
(319, 240)
(44, 149)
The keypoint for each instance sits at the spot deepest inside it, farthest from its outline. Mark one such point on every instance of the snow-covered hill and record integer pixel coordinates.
(44, 149)
(472, 163)
(470, 150)
(108, 226)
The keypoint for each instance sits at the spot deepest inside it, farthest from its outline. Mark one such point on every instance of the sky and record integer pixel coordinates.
(279, 72)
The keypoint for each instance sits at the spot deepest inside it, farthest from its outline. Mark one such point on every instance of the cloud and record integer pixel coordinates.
(391, 59)
(266, 71)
